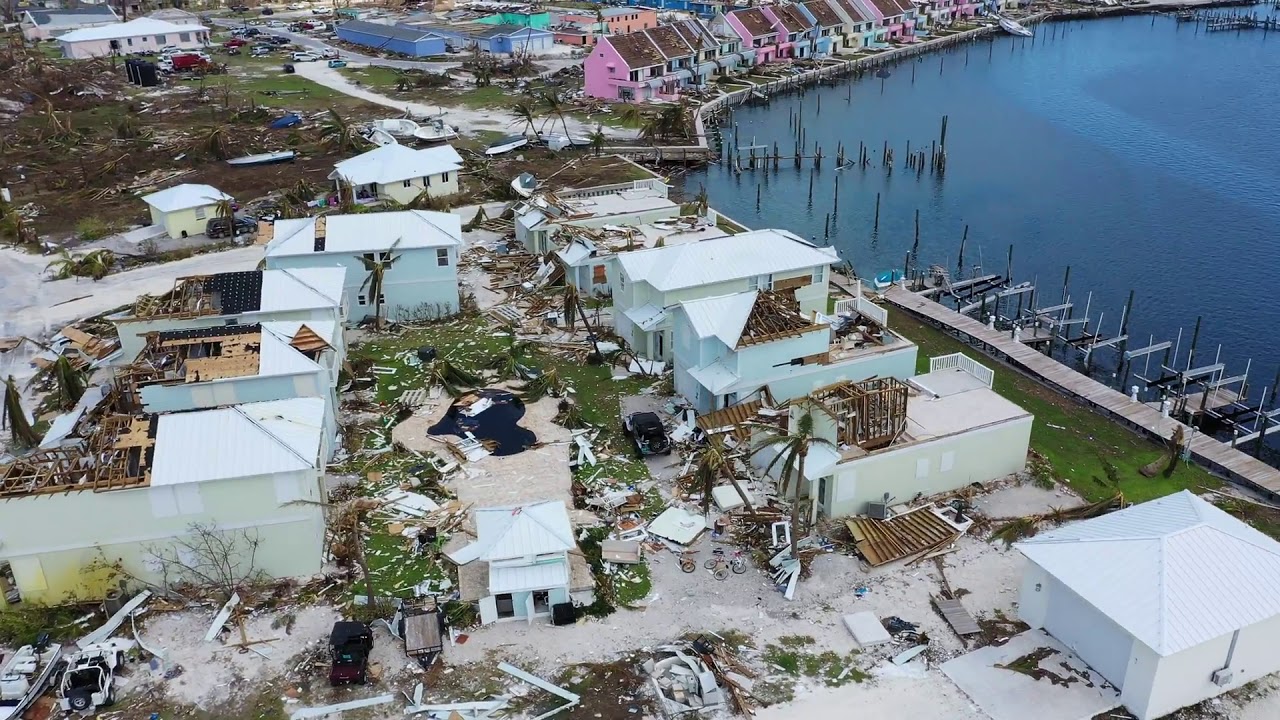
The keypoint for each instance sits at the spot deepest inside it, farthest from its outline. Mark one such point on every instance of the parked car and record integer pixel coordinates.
(278, 40)
(240, 8)
(304, 57)
(349, 646)
(337, 63)
(221, 227)
(329, 54)
(319, 11)
(646, 431)
(294, 6)
(268, 11)
(169, 50)
(277, 24)
(235, 42)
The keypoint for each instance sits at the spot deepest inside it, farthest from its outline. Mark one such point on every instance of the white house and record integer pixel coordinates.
(589, 257)
(184, 209)
(234, 364)
(311, 296)
(727, 348)
(177, 16)
(650, 283)
(1173, 601)
(136, 36)
(540, 218)
(47, 24)
(421, 246)
(894, 440)
(400, 173)
(133, 492)
(524, 552)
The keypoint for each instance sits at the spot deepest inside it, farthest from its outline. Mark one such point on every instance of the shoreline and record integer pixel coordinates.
(702, 150)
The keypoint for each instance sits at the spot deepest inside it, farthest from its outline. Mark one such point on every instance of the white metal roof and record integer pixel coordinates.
(302, 288)
(276, 356)
(514, 532)
(184, 196)
(760, 252)
(646, 317)
(528, 577)
(722, 317)
(1173, 572)
(368, 232)
(395, 162)
(240, 441)
(716, 377)
(133, 28)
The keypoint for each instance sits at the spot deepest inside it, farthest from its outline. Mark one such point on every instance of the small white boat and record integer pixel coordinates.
(379, 137)
(1014, 28)
(263, 158)
(435, 131)
(560, 142)
(524, 184)
(397, 127)
(25, 676)
(506, 144)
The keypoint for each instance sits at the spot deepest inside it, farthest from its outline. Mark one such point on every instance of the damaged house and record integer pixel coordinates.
(523, 563)
(312, 296)
(728, 348)
(417, 250)
(541, 218)
(893, 440)
(650, 283)
(155, 496)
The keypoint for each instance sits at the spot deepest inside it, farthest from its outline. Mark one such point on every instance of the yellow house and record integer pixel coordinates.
(400, 173)
(183, 210)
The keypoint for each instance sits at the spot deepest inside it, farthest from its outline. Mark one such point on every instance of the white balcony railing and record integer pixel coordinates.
(874, 312)
(958, 361)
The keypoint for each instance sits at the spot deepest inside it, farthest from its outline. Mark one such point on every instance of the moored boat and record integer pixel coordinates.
(435, 130)
(1014, 28)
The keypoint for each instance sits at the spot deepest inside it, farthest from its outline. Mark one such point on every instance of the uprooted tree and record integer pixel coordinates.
(211, 558)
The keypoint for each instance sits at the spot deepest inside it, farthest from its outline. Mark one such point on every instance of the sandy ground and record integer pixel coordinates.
(468, 121)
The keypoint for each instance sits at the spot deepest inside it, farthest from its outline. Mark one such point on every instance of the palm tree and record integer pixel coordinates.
(573, 308)
(631, 116)
(12, 415)
(702, 199)
(339, 135)
(513, 361)
(526, 113)
(546, 383)
(792, 448)
(216, 140)
(651, 128)
(555, 108)
(96, 264)
(68, 383)
(225, 209)
(598, 140)
(65, 266)
(450, 377)
(713, 463)
(377, 267)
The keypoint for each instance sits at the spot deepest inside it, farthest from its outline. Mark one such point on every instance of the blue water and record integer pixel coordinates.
(1144, 156)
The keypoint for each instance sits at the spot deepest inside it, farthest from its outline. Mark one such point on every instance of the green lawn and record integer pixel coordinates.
(1082, 447)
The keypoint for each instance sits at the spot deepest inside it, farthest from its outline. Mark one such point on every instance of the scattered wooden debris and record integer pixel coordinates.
(917, 532)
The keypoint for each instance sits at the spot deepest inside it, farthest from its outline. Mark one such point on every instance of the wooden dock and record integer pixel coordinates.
(1210, 453)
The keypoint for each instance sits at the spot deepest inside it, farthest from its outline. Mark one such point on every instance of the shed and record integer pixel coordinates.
(47, 24)
(184, 209)
(1173, 601)
(393, 38)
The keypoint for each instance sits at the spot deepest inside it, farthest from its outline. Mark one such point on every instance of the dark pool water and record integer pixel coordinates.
(500, 422)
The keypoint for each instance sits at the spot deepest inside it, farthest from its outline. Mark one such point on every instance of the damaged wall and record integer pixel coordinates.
(133, 330)
(53, 541)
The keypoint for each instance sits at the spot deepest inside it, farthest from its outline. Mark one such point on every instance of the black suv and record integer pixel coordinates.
(220, 227)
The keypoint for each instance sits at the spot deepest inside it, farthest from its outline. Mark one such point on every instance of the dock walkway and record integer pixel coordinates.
(1213, 454)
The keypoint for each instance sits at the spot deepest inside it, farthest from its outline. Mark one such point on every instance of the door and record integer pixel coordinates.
(488, 610)
(528, 608)
(1092, 636)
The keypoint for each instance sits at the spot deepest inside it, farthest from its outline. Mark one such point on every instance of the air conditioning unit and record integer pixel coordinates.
(878, 510)
(1223, 677)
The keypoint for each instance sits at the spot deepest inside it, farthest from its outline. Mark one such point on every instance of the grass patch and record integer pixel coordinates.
(1263, 519)
(395, 567)
(22, 624)
(791, 656)
(1078, 446)
(466, 342)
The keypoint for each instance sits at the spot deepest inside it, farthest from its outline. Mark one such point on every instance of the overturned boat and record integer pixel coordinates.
(378, 136)
(1014, 28)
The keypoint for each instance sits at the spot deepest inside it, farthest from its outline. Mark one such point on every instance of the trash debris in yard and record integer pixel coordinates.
(621, 552)
(421, 625)
(699, 676)
(571, 699)
(678, 525)
(915, 534)
(220, 620)
(727, 498)
(327, 710)
(957, 617)
(867, 631)
(115, 621)
(457, 711)
(406, 503)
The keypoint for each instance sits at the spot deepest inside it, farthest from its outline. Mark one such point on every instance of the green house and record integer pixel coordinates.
(537, 21)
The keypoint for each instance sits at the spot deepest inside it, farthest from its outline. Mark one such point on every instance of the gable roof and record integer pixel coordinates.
(635, 49)
(396, 162)
(733, 257)
(853, 11)
(888, 8)
(755, 22)
(247, 440)
(669, 42)
(301, 288)
(696, 34)
(390, 32)
(792, 18)
(825, 14)
(722, 317)
(504, 533)
(184, 197)
(369, 232)
(133, 28)
(1173, 572)
(72, 17)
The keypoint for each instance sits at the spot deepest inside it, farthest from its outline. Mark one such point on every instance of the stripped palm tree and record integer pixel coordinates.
(216, 141)
(513, 360)
(792, 449)
(451, 378)
(631, 116)
(713, 463)
(377, 265)
(702, 199)
(526, 113)
(554, 108)
(598, 140)
(337, 134)
(547, 382)
(67, 384)
(13, 417)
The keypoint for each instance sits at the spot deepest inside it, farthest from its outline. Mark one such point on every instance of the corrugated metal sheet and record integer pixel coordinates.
(241, 441)
(521, 531)
(721, 317)
(301, 288)
(714, 377)
(278, 357)
(1173, 572)
(369, 232)
(733, 257)
(528, 577)
(646, 317)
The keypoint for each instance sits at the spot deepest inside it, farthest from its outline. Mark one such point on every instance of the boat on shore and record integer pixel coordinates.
(397, 127)
(25, 676)
(270, 158)
(435, 130)
(506, 144)
(1014, 28)
(378, 136)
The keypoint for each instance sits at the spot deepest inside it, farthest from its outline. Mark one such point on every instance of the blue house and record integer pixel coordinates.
(402, 39)
(697, 7)
(504, 39)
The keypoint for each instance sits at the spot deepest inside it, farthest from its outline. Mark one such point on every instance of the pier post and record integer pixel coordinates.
(876, 227)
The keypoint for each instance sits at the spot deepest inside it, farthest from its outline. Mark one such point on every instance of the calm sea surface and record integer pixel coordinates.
(1144, 156)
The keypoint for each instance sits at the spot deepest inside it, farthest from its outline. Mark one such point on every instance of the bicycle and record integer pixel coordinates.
(687, 563)
(719, 564)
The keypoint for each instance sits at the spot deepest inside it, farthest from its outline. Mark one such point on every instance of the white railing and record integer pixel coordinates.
(958, 361)
(874, 312)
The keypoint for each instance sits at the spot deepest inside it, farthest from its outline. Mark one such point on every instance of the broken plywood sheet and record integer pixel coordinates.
(866, 629)
(912, 533)
(678, 526)
(727, 498)
(622, 552)
(959, 618)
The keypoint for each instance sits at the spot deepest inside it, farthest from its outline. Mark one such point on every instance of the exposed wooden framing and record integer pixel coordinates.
(870, 414)
(114, 457)
(912, 533)
(773, 317)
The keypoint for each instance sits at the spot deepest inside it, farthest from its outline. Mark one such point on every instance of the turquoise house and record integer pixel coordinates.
(537, 21)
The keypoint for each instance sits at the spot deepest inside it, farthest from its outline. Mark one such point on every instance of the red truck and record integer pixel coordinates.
(181, 62)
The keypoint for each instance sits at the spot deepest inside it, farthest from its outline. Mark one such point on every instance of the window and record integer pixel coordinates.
(612, 70)
(598, 275)
(505, 605)
(444, 177)
(380, 257)
(161, 39)
(129, 42)
(760, 282)
(541, 601)
(184, 37)
(817, 274)
(408, 182)
(200, 213)
(362, 300)
(442, 257)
